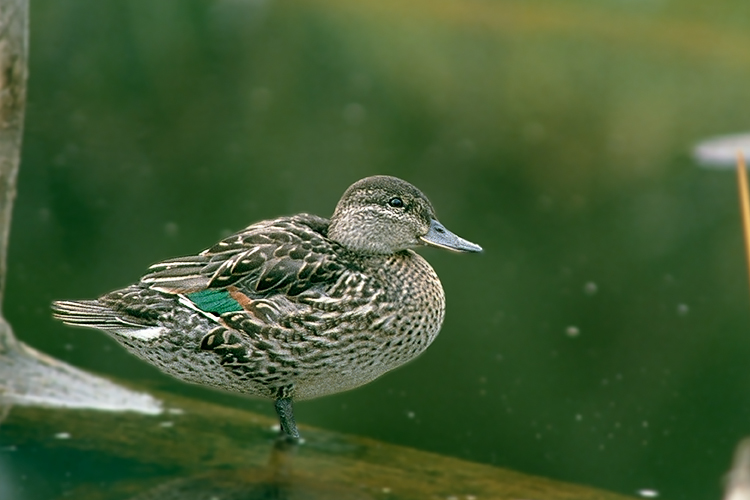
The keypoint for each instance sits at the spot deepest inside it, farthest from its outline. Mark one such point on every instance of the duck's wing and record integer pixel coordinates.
(284, 256)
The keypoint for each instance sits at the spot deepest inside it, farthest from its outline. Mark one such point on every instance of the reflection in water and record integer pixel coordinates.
(8, 479)
(276, 481)
(738, 479)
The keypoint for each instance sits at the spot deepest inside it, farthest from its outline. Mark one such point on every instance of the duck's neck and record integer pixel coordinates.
(349, 234)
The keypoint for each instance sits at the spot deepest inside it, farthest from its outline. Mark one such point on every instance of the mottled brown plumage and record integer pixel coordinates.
(291, 308)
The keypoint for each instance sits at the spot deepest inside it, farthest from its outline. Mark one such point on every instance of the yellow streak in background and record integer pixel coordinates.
(691, 38)
(744, 203)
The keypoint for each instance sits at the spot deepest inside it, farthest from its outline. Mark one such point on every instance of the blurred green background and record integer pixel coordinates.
(602, 337)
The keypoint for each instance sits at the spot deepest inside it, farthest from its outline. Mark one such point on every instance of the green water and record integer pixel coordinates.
(602, 337)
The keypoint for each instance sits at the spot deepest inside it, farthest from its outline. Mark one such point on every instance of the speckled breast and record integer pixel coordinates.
(406, 316)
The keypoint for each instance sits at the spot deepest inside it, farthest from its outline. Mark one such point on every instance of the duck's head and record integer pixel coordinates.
(384, 215)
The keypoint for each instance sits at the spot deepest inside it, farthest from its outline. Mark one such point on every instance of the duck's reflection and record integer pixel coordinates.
(277, 481)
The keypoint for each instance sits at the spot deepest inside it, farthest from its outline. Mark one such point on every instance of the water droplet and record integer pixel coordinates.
(354, 113)
(572, 331)
(171, 229)
(261, 98)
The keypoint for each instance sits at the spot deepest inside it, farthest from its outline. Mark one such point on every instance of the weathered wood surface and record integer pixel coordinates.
(227, 453)
(14, 16)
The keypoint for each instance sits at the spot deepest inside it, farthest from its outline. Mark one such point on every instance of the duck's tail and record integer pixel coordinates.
(94, 314)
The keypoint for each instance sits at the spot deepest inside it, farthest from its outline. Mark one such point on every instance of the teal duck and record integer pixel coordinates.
(290, 308)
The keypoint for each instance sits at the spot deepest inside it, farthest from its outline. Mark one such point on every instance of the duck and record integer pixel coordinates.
(291, 308)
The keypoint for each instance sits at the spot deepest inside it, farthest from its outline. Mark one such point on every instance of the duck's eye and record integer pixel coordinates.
(396, 202)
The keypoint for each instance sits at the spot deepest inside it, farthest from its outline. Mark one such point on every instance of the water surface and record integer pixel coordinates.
(602, 336)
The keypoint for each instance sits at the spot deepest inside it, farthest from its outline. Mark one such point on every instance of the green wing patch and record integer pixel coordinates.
(215, 301)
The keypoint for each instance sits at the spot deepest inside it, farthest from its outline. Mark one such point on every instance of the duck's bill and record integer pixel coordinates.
(440, 237)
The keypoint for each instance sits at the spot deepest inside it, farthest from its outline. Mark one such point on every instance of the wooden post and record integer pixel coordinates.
(14, 19)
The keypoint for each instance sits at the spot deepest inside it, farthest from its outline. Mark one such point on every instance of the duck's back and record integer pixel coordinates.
(286, 255)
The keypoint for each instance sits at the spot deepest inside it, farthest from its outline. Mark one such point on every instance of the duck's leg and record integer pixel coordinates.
(286, 418)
